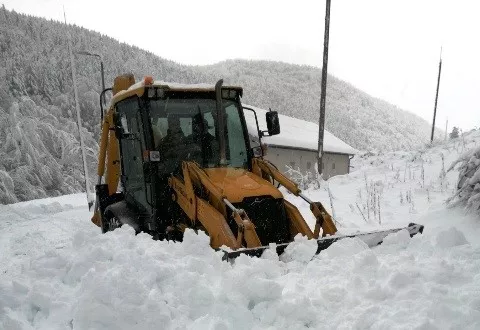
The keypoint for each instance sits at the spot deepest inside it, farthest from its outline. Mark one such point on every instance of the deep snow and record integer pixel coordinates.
(58, 272)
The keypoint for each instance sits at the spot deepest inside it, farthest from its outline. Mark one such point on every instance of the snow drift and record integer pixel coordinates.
(58, 272)
(121, 281)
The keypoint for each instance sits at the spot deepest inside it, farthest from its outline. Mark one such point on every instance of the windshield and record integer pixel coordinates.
(187, 129)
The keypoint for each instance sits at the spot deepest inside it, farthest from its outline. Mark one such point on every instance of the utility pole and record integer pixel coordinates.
(436, 96)
(321, 122)
(79, 120)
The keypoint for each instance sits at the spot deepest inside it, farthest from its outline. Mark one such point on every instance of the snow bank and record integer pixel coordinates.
(58, 272)
(122, 281)
(450, 238)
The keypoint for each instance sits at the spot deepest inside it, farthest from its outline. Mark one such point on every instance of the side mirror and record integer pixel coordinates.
(273, 124)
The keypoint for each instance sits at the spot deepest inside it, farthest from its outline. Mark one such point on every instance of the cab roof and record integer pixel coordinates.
(139, 88)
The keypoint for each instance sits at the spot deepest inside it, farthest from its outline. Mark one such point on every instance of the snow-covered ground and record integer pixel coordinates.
(58, 272)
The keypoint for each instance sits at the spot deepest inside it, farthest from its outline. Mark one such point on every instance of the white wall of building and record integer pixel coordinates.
(305, 161)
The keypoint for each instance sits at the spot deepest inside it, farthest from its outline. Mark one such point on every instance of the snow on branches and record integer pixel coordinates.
(468, 186)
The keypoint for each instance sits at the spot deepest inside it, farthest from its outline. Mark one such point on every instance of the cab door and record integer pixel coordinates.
(132, 144)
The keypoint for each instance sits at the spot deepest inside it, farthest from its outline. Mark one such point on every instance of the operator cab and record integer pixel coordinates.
(162, 126)
(158, 127)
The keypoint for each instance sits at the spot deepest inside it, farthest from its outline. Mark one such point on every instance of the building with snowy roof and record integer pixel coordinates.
(296, 145)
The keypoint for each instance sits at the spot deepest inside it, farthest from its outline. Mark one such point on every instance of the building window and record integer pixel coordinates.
(309, 165)
(333, 166)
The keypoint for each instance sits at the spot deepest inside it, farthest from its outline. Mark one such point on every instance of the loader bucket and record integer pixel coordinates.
(372, 239)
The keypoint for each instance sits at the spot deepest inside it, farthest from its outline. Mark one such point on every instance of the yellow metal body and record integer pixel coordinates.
(209, 212)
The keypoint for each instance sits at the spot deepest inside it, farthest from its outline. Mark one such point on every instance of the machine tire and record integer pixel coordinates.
(111, 223)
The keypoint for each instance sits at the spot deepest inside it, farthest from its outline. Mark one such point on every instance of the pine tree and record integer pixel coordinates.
(454, 133)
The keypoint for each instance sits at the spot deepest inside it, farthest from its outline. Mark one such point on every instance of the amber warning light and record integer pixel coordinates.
(148, 80)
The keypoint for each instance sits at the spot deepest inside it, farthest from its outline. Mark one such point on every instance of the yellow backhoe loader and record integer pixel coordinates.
(178, 156)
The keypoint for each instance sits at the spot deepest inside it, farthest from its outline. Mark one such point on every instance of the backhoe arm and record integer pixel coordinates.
(108, 161)
(266, 170)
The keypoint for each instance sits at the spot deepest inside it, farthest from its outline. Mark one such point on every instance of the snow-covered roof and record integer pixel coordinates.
(138, 88)
(296, 133)
(174, 85)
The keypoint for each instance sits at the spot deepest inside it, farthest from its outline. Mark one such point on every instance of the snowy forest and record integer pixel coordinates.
(39, 147)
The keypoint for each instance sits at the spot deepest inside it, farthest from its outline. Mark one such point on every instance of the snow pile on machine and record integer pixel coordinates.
(468, 187)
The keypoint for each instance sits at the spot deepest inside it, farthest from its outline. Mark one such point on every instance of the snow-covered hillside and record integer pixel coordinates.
(37, 107)
(58, 272)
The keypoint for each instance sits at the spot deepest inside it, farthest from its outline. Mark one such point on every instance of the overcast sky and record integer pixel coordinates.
(390, 49)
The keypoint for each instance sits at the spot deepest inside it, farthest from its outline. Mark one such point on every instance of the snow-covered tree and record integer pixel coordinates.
(468, 186)
(454, 133)
(39, 153)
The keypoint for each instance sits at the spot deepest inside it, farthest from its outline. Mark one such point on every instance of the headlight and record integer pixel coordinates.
(229, 94)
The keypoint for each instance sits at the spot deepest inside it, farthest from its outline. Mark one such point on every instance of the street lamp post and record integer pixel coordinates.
(82, 52)
(79, 119)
